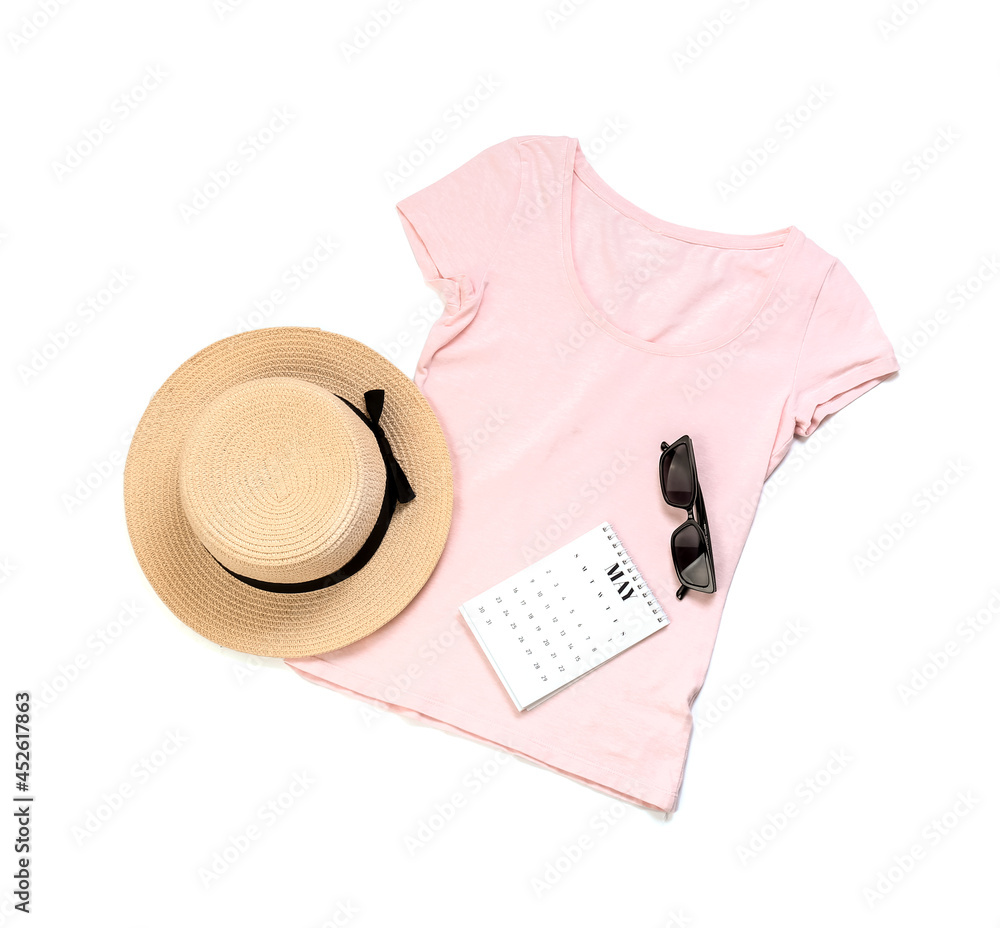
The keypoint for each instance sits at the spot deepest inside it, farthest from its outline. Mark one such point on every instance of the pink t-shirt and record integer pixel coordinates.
(579, 332)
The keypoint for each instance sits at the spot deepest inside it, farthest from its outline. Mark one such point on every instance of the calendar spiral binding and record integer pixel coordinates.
(642, 588)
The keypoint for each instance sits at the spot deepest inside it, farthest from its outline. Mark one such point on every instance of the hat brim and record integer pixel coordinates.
(191, 582)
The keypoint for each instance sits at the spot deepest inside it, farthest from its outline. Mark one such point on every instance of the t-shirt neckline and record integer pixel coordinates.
(576, 164)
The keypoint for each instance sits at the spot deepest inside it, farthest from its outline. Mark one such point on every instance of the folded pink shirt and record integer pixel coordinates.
(579, 332)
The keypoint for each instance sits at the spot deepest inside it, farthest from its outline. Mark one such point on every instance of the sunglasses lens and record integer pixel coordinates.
(678, 478)
(691, 557)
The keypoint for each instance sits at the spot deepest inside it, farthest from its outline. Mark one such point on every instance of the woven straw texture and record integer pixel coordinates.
(280, 480)
(308, 485)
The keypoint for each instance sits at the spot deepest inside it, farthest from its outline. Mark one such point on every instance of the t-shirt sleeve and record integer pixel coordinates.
(844, 352)
(456, 224)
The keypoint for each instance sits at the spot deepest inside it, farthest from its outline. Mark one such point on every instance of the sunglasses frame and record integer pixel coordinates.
(701, 524)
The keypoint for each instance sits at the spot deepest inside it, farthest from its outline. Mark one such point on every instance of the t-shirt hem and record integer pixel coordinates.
(456, 720)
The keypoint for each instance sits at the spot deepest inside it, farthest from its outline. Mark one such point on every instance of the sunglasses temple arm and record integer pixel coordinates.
(703, 512)
(681, 590)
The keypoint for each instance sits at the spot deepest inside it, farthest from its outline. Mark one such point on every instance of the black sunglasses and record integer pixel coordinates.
(691, 543)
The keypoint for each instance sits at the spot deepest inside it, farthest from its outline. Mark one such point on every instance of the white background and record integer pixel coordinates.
(526, 846)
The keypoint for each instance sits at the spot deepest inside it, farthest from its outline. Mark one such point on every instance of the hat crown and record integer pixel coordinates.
(281, 480)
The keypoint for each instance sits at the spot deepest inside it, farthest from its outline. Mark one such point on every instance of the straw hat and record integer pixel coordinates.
(287, 491)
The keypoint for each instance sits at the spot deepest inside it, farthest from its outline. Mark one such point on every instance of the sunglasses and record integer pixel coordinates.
(691, 543)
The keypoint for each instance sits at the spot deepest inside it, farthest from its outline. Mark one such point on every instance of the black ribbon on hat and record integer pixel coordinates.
(397, 489)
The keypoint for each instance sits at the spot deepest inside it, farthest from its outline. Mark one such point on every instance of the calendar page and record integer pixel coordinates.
(563, 616)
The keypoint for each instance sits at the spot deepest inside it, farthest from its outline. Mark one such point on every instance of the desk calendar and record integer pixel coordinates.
(563, 616)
